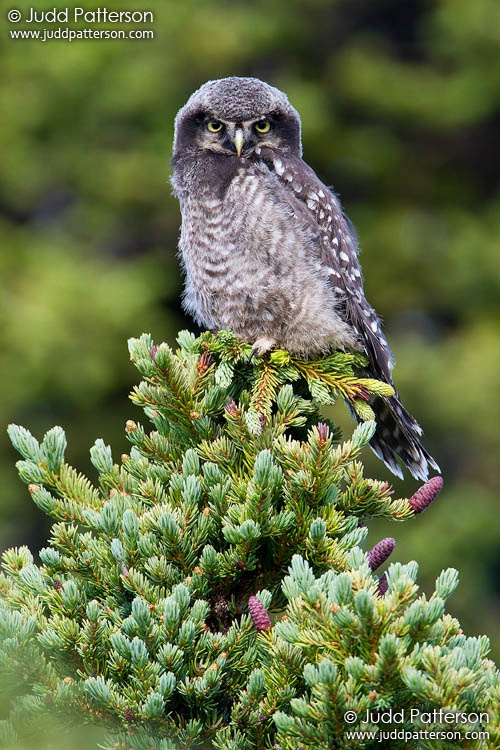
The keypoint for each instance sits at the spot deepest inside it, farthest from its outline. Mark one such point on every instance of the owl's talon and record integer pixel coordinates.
(263, 345)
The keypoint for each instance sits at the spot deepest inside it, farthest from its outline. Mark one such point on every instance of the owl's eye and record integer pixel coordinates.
(214, 126)
(263, 126)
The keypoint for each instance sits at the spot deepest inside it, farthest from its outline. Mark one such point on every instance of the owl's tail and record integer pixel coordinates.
(398, 436)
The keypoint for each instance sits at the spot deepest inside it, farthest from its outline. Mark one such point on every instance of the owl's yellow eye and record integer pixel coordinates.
(214, 126)
(263, 126)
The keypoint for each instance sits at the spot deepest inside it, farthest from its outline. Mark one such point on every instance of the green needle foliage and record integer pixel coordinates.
(151, 609)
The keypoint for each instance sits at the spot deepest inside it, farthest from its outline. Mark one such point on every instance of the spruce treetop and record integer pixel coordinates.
(210, 589)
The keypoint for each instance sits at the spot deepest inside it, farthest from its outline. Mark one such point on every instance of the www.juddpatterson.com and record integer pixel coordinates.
(75, 15)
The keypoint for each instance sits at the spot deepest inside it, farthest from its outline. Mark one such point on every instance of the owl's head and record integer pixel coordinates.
(233, 116)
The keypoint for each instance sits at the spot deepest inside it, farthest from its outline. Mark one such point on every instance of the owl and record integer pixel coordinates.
(267, 250)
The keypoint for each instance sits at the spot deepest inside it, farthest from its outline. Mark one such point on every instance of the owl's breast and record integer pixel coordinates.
(249, 256)
(208, 252)
(243, 239)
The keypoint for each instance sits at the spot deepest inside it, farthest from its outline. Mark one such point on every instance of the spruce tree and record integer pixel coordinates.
(212, 591)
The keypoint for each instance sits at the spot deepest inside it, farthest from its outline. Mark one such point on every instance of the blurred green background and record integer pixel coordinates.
(400, 109)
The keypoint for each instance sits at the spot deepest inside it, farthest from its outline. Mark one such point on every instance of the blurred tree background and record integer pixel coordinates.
(400, 108)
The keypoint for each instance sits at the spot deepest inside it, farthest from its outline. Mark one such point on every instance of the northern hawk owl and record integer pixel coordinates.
(266, 249)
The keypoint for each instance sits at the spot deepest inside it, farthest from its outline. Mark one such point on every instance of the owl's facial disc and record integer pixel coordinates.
(262, 112)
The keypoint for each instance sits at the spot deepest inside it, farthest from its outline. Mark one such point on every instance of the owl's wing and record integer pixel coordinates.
(397, 433)
(338, 252)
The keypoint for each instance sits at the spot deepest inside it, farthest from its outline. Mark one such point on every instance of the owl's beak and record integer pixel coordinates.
(238, 140)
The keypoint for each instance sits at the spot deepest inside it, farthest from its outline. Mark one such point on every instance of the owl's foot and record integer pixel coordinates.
(262, 345)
